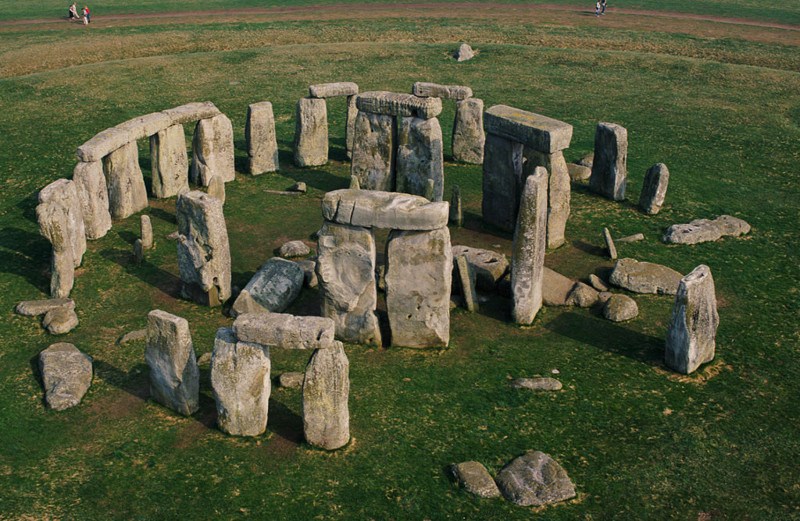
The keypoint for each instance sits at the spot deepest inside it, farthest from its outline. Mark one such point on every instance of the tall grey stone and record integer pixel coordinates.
(502, 181)
(262, 143)
(654, 189)
(204, 258)
(420, 157)
(350, 126)
(419, 267)
(534, 479)
(126, 191)
(609, 169)
(276, 284)
(530, 242)
(212, 151)
(147, 232)
(374, 151)
(691, 336)
(346, 273)
(169, 162)
(326, 391)
(174, 376)
(93, 194)
(284, 331)
(60, 217)
(311, 132)
(66, 374)
(558, 191)
(468, 135)
(240, 380)
(391, 210)
(456, 211)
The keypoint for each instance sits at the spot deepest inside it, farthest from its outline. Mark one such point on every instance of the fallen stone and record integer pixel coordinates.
(60, 321)
(501, 182)
(400, 105)
(274, 286)
(434, 90)
(90, 184)
(310, 279)
(284, 331)
(654, 189)
(620, 308)
(691, 335)
(582, 295)
(311, 133)
(216, 188)
(294, 249)
(66, 374)
(534, 479)
(464, 53)
(127, 193)
(489, 266)
(609, 169)
(530, 242)
(147, 232)
(612, 250)
(169, 162)
(468, 136)
(212, 151)
(456, 213)
(133, 335)
(645, 277)
(173, 236)
(703, 230)
(32, 308)
(536, 384)
(281, 192)
(299, 187)
(587, 160)
(465, 279)
(420, 157)
(604, 297)
(474, 478)
(374, 209)
(262, 144)
(333, 90)
(169, 353)
(578, 172)
(597, 283)
(291, 380)
(374, 151)
(632, 238)
(326, 391)
(555, 288)
(535, 131)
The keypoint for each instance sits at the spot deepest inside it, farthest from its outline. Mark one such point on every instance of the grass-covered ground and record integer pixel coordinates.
(639, 441)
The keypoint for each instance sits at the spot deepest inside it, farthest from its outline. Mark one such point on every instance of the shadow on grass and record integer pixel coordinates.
(37, 375)
(284, 423)
(164, 215)
(160, 279)
(133, 382)
(28, 256)
(591, 249)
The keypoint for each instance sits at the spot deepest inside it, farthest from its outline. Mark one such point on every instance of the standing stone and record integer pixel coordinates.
(262, 143)
(174, 376)
(373, 151)
(311, 133)
(147, 232)
(93, 194)
(350, 125)
(326, 391)
(274, 286)
(62, 273)
(419, 267)
(693, 326)
(169, 162)
(240, 379)
(456, 212)
(468, 135)
(60, 218)
(612, 249)
(654, 189)
(216, 188)
(464, 53)
(126, 191)
(534, 479)
(527, 259)
(204, 258)
(466, 282)
(346, 273)
(558, 192)
(138, 251)
(502, 180)
(212, 151)
(420, 157)
(66, 374)
(609, 169)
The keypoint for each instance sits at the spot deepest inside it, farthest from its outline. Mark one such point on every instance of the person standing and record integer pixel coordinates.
(86, 18)
(597, 8)
(73, 12)
(603, 5)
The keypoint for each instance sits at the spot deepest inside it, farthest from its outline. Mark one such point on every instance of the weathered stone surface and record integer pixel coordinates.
(333, 90)
(587, 160)
(284, 331)
(346, 271)
(274, 286)
(294, 249)
(534, 479)
(204, 258)
(262, 143)
(419, 269)
(62, 274)
(350, 126)
(558, 192)
(466, 279)
(632, 238)
(473, 477)
(103, 143)
(578, 172)
(612, 250)
(326, 391)
(502, 181)
(645, 277)
(654, 189)
(174, 376)
(597, 283)
(530, 241)
(536, 384)
(555, 288)
(147, 232)
(401, 105)
(456, 212)
(375, 209)
(169, 162)
(126, 191)
(468, 136)
(60, 321)
(691, 336)
(291, 380)
(702, 230)
(609, 169)
(32, 308)
(489, 266)
(139, 334)
(374, 151)
(620, 308)
(90, 184)
(310, 279)
(604, 297)
(311, 133)
(582, 295)
(138, 251)
(66, 373)
(240, 379)
(464, 53)
(434, 90)
(354, 184)
(173, 236)
(216, 188)
(192, 112)
(543, 134)
(60, 218)
(146, 125)
(299, 186)
(212, 151)
(420, 157)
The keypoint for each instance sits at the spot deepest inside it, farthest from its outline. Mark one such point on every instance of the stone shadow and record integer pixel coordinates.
(160, 279)
(27, 255)
(133, 382)
(591, 249)
(285, 423)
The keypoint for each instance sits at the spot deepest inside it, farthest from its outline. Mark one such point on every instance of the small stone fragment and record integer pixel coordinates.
(147, 232)
(587, 160)
(464, 53)
(133, 335)
(276, 285)
(284, 331)
(300, 186)
(309, 266)
(620, 308)
(205, 359)
(474, 478)
(66, 373)
(32, 308)
(354, 184)
(645, 277)
(582, 295)
(654, 189)
(60, 321)
(632, 238)
(578, 172)
(326, 391)
(597, 283)
(489, 266)
(291, 380)
(294, 249)
(703, 230)
(691, 336)
(536, 384)
(172, 236)
(534, 479)
(612, 250)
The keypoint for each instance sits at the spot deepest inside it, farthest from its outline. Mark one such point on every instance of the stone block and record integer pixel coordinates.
(192, 112)
(326, 392)
(311, 133)
(212, 151)
(468, 136)
(465, 278)
(489, 266)
(502, 182)
(60, 218)
(434, 90)
(473, 477)
(654, 189)
(169, 162)
(350, 126)
(126, 190)
(609, 169)
(284, 331)
(274, 286)
(534, 479)
(420, 157)
(66, 374)
(32, 308)
(703, 230)
(691, 335)
(333, 90)
(530, 242)
(374, 151)
(401, 105)
(169, 353)
(374, 209)
(541, 133)
(558, 192)
(262, 143)
(93, 195)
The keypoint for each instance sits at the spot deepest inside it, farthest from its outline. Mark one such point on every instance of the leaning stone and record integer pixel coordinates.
(350, 126)
(558, 192)
(534, 479)
(174, 376)
(597, 283)
(126, 191)
(527, 259)
(489, 266)
(60, 218)
(401, 105)
(555, 288)
(464, 53)
(262, 144)
(169, 162)
(66, 373)
(192, 112)
(60, 321)
(578, 172)
(466, 283)
(536, 384)
(326, 391)
(609, 169)
(632, 238)
(456, 213)
(274, 286)
(294, 249)
(291, 380)
(333, 90)
(284, 331)
(216, 188)
(62, 274)
(468, 135)
(582, 295)
(691, 336)
(93, 194)
(375, 209)
(133, 335)
(612, 250)
(535, 131)
(212, 151)
(474, 478)
(138, 251)
(620, 308)
(645, 277)
(702, 230)
(420, 157)
(309, 267)
(654, 189)
(502, 181)
(32, 308)
(374, 151)
(147, 232)
(240, 380)
(311, 133)
(434, 90)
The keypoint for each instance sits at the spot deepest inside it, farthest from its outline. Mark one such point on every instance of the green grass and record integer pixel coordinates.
(638, 441)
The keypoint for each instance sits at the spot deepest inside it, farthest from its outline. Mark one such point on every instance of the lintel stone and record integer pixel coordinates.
(396, 104)
(536, 131)
(332, 90)
(434, 90)
(375, 209)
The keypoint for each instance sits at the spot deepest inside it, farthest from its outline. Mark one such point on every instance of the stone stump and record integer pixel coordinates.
(502, 180)
(262, 144)
(174, 376)
(654, 189)
(374, 151)
(527, 259)
(311, 132)
(126, 191)
(212, 151)
(169, 162)
(691, 336)
(468, 135)
(326, 391)
(93, 194)
(609, 169)
(420, 157)
(558, 192)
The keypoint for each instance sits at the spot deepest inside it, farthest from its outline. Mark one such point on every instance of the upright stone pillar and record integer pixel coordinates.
(558, 191)
(212, 151)
(350, 125)
(502, 180)
(60, 218)
(126, 191)
(468, 136)
(326, 391)
(691, 336)
(527, 259)
(169, 162)
(373, 151)
(311, 132)
(609, 170)
(420, 157)
(174, 376)
(654, 189)
(93, 194)
(262, 144)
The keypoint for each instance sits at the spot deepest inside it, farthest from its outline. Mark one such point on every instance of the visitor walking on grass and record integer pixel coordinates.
(597, 8)
(603, 5)
(86, 18)
(73, 12)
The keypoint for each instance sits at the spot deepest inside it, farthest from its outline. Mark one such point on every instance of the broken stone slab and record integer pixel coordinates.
(474, 478)
(262, 144)
(468, 136)
(216, 188)
(465, 278)
(620, 308)
(192, 112)
(240, 380)
(420, 157)
(645, 277)
(555, 288)
(703, 230)
(212, 151)
(311, 133)
(326, 391)
(654, 189)
(90, 184)
(291, 380)
(609, 169)
(396, 104)
(578, 172)
(147, 232)
(374, 151)
(425, 89)
(294, 249)
(60, 217)
(169, 162)
(535, 131)
(534, 479)
(133, 335)
(66, 374)
(558, 191)
(632, 238)
(691, 335)
(276, 284)
(127, 193)
(309, 267)
(582, 295)
(530, 242)
(597, 283)
(376, 209)
(502, 181)
(612, 250)
(60, 321)
(536, 384)
(32, 308)
(489, 266)
(333, 90)
(284, 331)
(464, 53)
(62, 273)
(456, 212)
(169, 353)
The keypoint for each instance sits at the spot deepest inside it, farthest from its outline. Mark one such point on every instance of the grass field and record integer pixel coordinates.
(640, 442)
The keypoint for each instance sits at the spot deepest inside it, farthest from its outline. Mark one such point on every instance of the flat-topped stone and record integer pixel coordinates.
(396, 104)
(702, 230)
(192, 112)
(645, 277)
(276, 285)
(538, 132)
(434, 90)
(375, 209)
(332, 90)
(284, 330)
(66, 374)
(144, 126)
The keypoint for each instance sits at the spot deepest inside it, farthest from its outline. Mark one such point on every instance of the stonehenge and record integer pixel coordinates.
(530, 241)
(169, 353)
(610, 165)
(691, 337)
(311, 125)
(262, 144)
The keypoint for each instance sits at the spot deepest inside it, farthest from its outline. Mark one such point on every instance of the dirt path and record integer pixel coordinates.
(395, 7)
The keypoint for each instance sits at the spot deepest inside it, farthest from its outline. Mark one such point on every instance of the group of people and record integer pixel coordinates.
(600, 7)
(73, 14)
